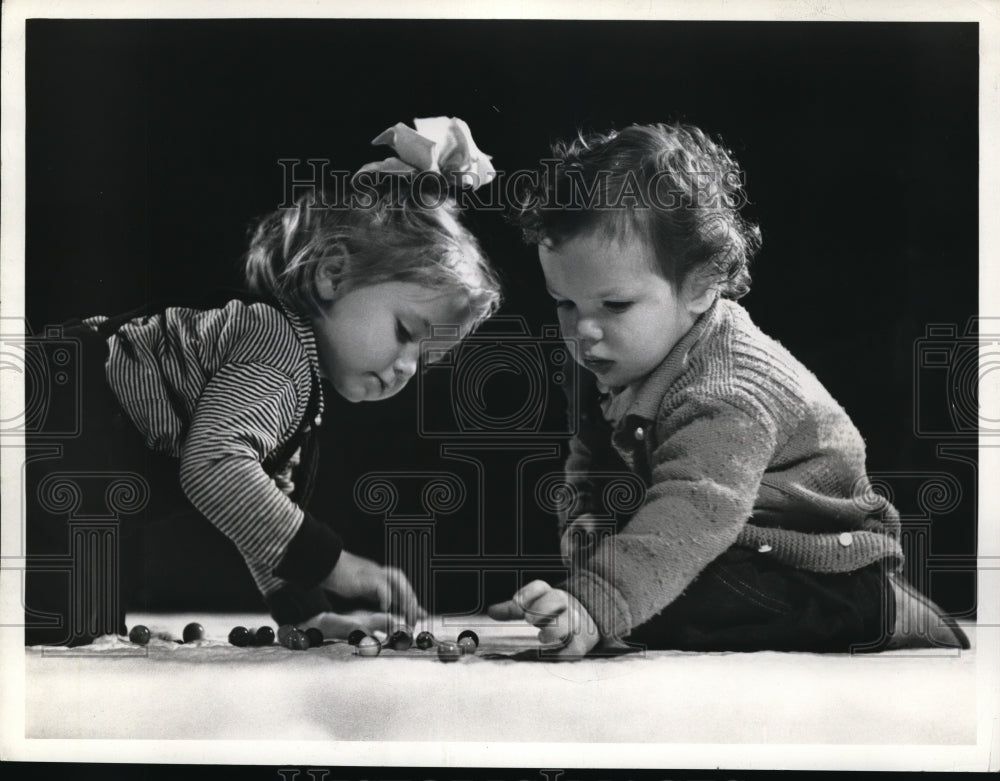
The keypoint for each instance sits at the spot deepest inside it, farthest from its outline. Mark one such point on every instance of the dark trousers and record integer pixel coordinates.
(747, 601)
(99, 504)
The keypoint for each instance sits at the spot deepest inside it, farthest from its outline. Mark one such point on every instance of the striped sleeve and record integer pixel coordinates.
(245, 412)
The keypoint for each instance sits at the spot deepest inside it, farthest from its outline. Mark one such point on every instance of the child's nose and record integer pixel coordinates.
(587, 328)
(405, 365)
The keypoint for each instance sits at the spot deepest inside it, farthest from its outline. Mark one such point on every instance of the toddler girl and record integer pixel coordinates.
(215, 409)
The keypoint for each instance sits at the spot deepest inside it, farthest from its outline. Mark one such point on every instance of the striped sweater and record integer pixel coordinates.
(737, 443)
(224, 390)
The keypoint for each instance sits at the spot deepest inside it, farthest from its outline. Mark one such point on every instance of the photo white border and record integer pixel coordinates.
(983, 756)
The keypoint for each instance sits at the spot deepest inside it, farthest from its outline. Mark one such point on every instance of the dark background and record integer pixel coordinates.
(152, 145)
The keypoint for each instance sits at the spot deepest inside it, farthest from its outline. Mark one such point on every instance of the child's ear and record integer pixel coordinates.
(329, 273)
(699, 294)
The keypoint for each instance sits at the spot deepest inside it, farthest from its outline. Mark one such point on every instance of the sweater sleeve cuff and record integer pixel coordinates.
(311, 555)
(292, 604)
(603, 602)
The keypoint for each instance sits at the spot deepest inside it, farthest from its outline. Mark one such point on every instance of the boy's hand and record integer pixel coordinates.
(385, 587)
(565, 627)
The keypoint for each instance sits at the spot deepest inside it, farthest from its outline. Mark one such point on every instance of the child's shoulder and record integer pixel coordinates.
(256, 330)
(735, 335)
(736, 360)
(253, 315)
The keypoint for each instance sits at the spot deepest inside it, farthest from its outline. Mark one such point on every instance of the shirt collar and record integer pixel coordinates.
(307, 337)
(643, 399)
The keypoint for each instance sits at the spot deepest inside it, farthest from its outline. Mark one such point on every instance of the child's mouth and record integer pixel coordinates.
(598, 365)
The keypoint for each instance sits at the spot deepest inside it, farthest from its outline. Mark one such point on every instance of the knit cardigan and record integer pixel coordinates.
(737, 443)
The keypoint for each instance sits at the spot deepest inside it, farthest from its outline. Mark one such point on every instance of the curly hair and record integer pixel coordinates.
(391, 234)
(669, 184)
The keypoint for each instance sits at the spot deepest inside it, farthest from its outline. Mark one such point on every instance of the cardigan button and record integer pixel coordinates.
(318, 420)
(639, 434)
(846, 539)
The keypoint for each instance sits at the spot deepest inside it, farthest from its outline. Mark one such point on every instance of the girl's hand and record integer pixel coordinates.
(337, 626)
(565, 627)
(385, 587)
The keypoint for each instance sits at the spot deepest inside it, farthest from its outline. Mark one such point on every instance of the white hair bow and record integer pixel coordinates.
(442, 144)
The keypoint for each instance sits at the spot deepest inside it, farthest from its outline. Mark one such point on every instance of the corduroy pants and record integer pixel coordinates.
(747, 601)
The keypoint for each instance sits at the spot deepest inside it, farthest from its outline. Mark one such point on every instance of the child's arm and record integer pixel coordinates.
(244, 413)
(705, 476)
(706, 472)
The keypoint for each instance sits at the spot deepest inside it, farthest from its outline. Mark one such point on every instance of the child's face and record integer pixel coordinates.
(612, 299)
(368, 338)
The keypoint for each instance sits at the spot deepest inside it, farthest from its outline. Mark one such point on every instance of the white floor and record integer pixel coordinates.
(667, 701)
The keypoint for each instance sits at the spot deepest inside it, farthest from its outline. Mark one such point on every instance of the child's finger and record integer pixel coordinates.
(383, 622)
(505, 611)
(336, 626)
(555, 631)
(339, 626)
(514, 608)
(546, 608)
(398, 596)
(413, 612)
(408, 601)
(569, 647)
(551, 614)
(367, 620)
(530, 592)
(572, 635)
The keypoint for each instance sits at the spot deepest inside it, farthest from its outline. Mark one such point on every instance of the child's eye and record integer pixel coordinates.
(402, 334)
(617, 306)
(563, 304)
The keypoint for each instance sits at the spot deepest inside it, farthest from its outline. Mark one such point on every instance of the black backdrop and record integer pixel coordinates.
(153, 144)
